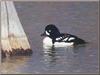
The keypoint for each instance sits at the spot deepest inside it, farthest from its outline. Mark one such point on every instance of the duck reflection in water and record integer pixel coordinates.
(49, 56)
(56, 56)
(53, 54)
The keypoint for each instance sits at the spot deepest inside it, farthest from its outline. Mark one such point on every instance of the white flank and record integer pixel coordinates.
(47, 43)
(63, 44)
(58, 39)
(12, 33)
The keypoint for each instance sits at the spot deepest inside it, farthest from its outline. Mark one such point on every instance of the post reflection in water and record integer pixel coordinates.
(13, 64)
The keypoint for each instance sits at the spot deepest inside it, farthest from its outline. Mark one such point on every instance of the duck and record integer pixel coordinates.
(53, 37)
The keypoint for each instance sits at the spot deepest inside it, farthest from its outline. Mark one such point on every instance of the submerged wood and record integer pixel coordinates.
(16, 52)
(13, 38)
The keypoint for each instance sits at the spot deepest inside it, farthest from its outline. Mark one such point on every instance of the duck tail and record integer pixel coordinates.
(80, 41)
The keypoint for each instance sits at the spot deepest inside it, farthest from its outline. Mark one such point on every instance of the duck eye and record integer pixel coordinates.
(49, 30)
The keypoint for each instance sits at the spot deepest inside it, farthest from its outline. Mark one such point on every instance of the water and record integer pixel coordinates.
(78, 18)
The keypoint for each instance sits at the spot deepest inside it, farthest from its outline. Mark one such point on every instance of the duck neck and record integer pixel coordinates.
(54, 36)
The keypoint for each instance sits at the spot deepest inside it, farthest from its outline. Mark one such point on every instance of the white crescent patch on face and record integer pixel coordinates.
(47, 33)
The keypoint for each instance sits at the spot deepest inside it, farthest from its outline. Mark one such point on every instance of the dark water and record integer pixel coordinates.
(78, 18)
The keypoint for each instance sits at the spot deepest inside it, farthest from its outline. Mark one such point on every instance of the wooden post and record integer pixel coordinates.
(13, 38)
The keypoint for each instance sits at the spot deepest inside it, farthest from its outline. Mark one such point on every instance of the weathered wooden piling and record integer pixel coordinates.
(13, 38)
